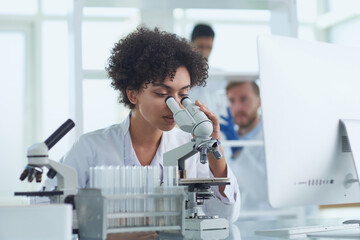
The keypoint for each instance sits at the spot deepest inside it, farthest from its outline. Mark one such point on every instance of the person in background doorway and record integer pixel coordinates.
(202, 38)
(213, 94)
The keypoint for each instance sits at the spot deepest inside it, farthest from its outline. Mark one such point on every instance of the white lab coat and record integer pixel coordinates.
(112, 146)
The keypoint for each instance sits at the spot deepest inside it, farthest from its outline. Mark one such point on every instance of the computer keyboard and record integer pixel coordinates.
(303, 230)
(338, 234)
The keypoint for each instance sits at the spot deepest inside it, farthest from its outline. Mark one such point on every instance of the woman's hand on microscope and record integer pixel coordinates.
(213, 118)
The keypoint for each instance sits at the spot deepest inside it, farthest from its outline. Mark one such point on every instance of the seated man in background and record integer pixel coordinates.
(248, 163)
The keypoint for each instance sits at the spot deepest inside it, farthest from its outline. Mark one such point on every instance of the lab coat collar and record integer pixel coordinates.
(125, 125)
(130, 157)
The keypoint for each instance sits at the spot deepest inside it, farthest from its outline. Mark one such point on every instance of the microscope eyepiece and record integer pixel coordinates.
(184, 98)
(59, 133)
(173, 105)
(167, 98)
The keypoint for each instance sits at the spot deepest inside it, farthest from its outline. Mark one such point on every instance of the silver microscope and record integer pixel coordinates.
(192, 120)
(38, 158)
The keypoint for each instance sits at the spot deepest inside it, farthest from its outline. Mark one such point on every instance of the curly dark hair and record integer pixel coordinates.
(146, 56)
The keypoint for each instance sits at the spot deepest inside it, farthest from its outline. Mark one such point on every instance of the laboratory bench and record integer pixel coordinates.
(245, 230)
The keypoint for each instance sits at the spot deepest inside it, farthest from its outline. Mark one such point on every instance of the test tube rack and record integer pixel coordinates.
(163, 210)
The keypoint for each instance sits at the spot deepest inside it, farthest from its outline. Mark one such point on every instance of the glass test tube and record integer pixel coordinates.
(116, 181)
(123, 209)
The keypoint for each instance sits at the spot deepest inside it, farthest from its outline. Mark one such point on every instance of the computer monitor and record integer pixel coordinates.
(306, 89)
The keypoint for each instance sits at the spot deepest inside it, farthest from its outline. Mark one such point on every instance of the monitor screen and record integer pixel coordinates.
(306, 88)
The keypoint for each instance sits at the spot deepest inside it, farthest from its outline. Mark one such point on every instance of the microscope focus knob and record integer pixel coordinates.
(51, 173)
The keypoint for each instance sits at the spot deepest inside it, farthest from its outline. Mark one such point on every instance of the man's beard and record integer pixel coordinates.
(249, 121)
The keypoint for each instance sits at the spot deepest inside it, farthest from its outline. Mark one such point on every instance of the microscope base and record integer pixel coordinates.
(208, 234)
(207, 223)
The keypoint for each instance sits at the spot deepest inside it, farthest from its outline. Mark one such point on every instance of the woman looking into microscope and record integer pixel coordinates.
(146, 67)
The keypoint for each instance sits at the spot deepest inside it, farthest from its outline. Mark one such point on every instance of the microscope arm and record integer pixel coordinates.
(66, 177)
(177, 156)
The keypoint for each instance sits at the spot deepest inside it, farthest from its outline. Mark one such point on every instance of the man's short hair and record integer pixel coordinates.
(202, 30)
(253, 84)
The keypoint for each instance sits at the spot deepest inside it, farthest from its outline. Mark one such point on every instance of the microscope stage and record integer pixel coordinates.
(39, 193)
(209, 181)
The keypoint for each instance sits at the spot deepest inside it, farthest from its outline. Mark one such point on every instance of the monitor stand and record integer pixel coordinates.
(352, 130)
